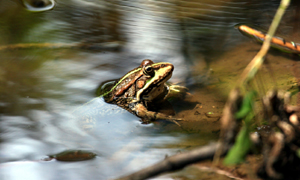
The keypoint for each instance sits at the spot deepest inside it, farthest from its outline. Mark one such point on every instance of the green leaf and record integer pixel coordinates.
(240, 149)
(243, 142)
(298, 153)
(246, 105)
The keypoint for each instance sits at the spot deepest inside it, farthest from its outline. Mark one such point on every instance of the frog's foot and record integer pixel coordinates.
(176, 92)
(147, 121)
(142, 112)
(175, 121)
(177, 88)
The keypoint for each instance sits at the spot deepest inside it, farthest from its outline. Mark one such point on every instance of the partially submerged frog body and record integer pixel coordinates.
(142, 89)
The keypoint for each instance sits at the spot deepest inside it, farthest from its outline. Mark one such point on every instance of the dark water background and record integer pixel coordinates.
(41, 87)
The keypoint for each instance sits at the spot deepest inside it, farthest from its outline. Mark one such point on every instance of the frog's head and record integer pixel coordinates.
(143, 83)
(156, 75)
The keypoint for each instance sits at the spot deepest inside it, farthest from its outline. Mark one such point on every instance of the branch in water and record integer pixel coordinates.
(91, 46)
(176, 162)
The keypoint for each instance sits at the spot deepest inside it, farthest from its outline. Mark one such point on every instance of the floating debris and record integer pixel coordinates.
(276, 42)
(73, 155)
(212, 115)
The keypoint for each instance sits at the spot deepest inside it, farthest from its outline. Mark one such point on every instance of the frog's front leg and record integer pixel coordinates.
(176, 91)
(142, 112)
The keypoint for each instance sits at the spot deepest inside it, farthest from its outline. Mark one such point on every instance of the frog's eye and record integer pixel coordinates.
(148, 70)
(146, 62)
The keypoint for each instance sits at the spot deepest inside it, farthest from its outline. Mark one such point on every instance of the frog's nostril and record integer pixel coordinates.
(172, 67)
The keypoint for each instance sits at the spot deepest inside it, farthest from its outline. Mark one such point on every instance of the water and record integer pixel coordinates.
(41, 87)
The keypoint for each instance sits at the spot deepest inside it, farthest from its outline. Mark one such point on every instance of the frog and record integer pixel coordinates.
(142, 89)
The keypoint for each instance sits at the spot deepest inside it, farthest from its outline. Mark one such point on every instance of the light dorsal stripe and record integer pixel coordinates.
(124, 77)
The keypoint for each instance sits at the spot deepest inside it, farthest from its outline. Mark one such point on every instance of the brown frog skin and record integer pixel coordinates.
(141, 88)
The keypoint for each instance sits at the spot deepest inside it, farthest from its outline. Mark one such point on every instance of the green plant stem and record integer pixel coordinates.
(257, 61)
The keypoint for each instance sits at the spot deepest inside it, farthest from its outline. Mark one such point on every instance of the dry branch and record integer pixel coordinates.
(175, 162)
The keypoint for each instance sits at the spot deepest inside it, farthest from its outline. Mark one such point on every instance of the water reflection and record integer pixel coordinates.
(41, 87)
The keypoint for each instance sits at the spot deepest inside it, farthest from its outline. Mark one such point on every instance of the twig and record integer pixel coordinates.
(181, 160)
(218, 171)
(229, 124)
(175, 162)
(38, 45)
(81, 45)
